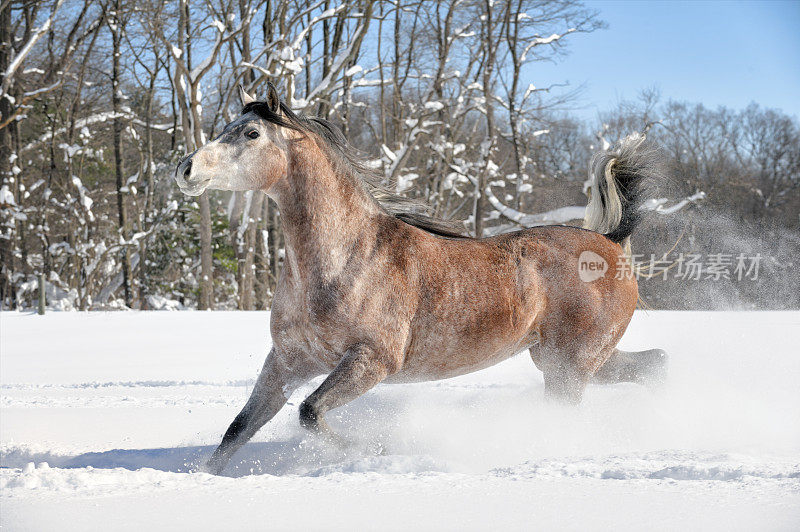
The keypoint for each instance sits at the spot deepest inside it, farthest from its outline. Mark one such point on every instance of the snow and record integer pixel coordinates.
(657, 204)
(290, 62)
(103, 414)
(70, 151)
(19, 57)
(156, 302)
(556, 216)
(86, 201)
(353, 70)
(83, 122)
(542, 40)
(389, 153)
(405, 181)
(531, 89)
(6, 196)
(547, 40)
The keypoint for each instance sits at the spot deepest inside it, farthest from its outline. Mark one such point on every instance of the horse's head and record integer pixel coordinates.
(251, 153)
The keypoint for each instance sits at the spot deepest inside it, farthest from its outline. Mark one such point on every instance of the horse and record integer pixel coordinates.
(375, 290)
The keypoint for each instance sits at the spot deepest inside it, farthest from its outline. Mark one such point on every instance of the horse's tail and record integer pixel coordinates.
(619, 180)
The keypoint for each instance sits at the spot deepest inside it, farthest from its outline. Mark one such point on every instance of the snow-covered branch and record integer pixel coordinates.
(658, 205)
(563, 215)
(94, 119)
(8, 75)
(339, 63)
(539, 41)
(555, 216)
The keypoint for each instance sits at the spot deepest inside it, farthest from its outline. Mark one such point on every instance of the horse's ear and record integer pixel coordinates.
(273, 100)
(244, 97)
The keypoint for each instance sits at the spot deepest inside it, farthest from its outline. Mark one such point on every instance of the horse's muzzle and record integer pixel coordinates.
(183, 175)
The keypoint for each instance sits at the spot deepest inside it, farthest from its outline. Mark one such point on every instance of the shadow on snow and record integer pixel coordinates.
(306, 457)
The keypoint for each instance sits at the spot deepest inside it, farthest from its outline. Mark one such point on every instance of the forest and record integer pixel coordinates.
(100, 99)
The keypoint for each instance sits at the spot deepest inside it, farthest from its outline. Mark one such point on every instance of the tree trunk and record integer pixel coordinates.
(206, 300)
(7, 260)
(116, 100)
(237, 239)
(150, 185)
(488, 70)
(193, 135)
(273, 229)
(512, 37)
(246, 293)
(262, 271)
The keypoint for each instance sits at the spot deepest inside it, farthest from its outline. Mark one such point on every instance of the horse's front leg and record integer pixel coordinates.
(359, 370)
(272, 389)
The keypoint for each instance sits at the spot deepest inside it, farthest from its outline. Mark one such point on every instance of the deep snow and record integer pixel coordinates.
(102, 414)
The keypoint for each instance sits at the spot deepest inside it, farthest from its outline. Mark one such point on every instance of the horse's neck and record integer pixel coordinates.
(323, 211)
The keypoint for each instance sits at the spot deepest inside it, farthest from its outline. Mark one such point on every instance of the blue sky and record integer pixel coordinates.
(718, 53)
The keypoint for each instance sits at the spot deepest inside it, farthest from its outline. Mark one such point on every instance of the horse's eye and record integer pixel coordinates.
(253, 134)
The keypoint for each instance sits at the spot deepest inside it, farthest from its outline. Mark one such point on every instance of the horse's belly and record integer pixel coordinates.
(436, 368)
(443, 358)
(467, 333)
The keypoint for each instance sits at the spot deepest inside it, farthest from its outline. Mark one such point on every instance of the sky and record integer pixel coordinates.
(715, 53)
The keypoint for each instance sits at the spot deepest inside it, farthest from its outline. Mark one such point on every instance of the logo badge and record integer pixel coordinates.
(591, 266)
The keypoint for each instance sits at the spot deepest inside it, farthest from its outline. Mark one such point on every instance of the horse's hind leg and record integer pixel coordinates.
(642, 367)
(565, 377)
(271, 391)
(359, 370)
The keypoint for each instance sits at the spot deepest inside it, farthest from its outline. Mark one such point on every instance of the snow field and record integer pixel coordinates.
(102, 415)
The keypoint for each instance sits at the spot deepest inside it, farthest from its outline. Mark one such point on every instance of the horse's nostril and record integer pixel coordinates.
(188, 169)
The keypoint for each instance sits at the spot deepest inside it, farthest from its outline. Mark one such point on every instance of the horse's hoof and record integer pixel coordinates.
(210, 467)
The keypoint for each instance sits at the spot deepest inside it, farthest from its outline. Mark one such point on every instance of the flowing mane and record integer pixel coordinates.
(410, 211)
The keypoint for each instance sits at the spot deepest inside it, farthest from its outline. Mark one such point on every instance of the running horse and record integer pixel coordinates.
(372, 290)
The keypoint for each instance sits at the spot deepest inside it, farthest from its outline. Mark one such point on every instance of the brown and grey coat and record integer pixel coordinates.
(375, 292)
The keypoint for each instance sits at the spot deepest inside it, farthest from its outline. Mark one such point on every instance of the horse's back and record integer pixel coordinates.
(557, 263)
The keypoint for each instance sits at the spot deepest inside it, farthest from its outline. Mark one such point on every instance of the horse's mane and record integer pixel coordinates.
(410, 211)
